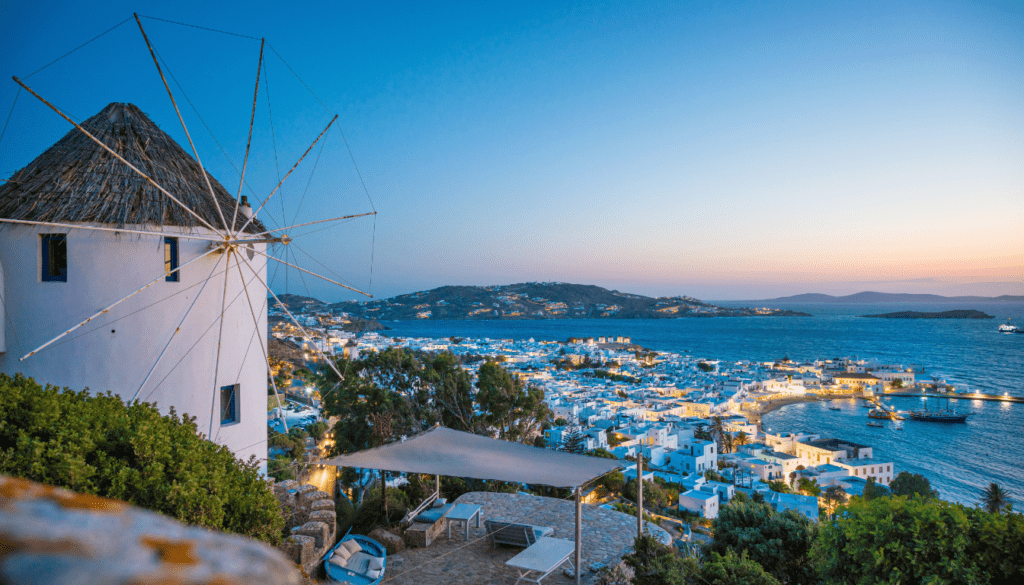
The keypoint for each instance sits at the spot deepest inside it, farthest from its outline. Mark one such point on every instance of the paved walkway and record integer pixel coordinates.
(607, 535)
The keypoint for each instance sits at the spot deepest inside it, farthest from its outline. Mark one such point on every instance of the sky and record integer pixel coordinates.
(726, 150)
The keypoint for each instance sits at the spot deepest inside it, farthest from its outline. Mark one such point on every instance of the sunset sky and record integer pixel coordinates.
(725, 150)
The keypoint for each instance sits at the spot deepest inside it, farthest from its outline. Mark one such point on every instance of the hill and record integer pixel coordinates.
(540, 301)
(879, 297)
(961, 314)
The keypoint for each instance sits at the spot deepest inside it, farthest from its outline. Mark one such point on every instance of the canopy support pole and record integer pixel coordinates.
(640, 493)
(437, 485)
(579, 533)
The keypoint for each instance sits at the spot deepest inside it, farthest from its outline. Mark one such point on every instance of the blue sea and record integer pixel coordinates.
(959, 460)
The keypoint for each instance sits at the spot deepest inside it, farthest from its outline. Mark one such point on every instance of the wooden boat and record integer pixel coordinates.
(358, 567)
(872, 423)
(946, 415)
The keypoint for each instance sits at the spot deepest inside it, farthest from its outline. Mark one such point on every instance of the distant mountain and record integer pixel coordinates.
(879, 297)
(540, 301)
(960, 314)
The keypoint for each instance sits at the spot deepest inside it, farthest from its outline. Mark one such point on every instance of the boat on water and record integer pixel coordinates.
(1008, 328)
(356, 560)
(947, 414)
(872, 423)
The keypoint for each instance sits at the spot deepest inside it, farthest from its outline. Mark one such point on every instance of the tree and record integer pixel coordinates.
(897, 383)
(917, 540)
(873, 490)
(573, 440)
(700, 432)
(994, 498)
(778, 542)
(510, 408)
(98, 445)
(718, 432)
(733, 569)
(317, 430)
(654, 563)
(779, 486)
(705, 367)
(809, 486)
(834, 495)
(912, 484)
(742, 439)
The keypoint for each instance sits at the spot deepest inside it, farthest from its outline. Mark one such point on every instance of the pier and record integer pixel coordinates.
(986, 397)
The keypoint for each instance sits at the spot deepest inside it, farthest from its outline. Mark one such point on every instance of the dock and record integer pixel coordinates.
(986, 397)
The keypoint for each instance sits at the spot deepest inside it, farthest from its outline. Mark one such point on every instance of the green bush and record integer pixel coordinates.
(98, 445)
(778, 542)
(919, 540)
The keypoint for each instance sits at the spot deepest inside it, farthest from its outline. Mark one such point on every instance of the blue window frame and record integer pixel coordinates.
(55, 258)
(229, 404)
(171, 259)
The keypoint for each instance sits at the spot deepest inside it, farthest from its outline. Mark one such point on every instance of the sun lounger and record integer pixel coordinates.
(514, 534)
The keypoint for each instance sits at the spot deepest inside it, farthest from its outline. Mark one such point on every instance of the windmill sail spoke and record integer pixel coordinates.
(220, 338)
(213, 194)
(315, 222)
(251, 218)
(266, 358)
(245, 161)
(176, 331)
(103, 229)
(118, 156)
(329, 362)
(315, 274)
(123, 299)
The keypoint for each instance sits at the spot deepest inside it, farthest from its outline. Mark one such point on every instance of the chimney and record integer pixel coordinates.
(244, 207)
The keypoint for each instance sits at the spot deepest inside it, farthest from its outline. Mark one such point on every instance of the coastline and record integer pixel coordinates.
(764, 407)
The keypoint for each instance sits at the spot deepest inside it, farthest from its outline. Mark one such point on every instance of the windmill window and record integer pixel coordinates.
(171, 259)
(55, 258)
(229, 404)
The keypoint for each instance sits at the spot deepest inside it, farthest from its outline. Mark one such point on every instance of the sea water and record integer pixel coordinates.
(958, 459)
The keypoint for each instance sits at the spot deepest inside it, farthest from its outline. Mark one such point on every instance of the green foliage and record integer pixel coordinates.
(345, 513)
(317, 430)
(511, 408)
(808, 486)
(920, 540)
(371, 512)
(994, 498)
(561, 422)
(912, 484)
(779, 486)
(98, 445)
(408, 392)
(872, 490)
(778, 542)
(655, 495)
(654, 563)
(573, 440)
(705, 367)
(606, 375)
(897, 383)
(602, 453)
(614, 482)
(733, 569)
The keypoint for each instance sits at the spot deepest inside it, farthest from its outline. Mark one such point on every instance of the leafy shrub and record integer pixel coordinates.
(98, 445)
(778, 542)
(920, 540)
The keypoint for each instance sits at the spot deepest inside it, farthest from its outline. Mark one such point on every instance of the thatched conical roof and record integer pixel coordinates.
(76, 180)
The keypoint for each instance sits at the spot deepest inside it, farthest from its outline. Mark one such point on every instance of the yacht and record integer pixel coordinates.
(1008, 328)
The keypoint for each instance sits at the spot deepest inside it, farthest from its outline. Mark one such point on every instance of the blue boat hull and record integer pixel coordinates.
(336, 574)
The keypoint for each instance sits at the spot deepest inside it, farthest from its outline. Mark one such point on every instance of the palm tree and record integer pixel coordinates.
(742, 439)
(729, 439)
(994, 498)
(809, 486)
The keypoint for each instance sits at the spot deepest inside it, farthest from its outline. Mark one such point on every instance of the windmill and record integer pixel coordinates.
(126, 267)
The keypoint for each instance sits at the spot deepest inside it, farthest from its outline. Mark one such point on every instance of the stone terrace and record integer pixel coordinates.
(607, 535)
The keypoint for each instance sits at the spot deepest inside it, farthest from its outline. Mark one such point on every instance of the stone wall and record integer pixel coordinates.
(311, 519)
(52, 535)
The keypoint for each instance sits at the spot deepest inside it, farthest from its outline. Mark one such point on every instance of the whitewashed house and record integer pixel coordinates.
(54, 277)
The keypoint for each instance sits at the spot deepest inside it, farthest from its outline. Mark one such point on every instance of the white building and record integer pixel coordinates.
(52, 278)
(701, 502)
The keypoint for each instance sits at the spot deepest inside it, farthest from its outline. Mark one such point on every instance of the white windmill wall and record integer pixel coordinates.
(2, 304)
(116, 350)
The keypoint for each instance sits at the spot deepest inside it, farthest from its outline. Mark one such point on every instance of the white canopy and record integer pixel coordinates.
(442, 451)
